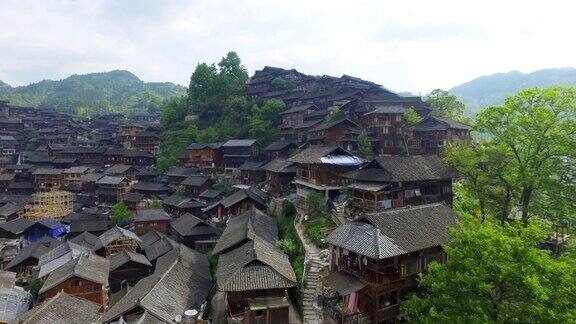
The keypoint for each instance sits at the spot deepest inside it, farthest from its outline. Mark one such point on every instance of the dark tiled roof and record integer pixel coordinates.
(118, 169)
(89, 225)
(439, 123)
(88, 240)
(63, 309)
(115, 233)
(34, 250)
(239, 143)
(89, 267)
(296, 109)
(149, 186)
(148, 215)
(210, 193)
(279, 145)
(252, 223)
(188, 224)
(396, 232)
(176, 171)
(17, 226)
(156, 244)
(200, 146)
(122, 258)
(250, 166)
(404, 168)
(252, 193)
(330, 124)
(110, 180)
(313, 154)
(195, 180)
(181, 281)
(255, 265)
(280, 166)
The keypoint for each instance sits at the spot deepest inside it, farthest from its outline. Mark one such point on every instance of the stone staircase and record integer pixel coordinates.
(311, 311)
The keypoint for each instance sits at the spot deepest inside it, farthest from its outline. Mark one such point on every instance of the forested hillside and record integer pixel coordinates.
(216, 102)
(493, 89)
(94, 94)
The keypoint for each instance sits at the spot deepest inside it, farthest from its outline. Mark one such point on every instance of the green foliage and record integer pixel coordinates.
(294, 249)
(316, 230)
(445, 104)
(94, 94)
(335, 114)
(495, 274)
(315, 205)
(222, 184)
(278, 83)
(34, 288)
(527, 160)
(155, 203)
(215, 98)
(213, 259)
(120, 214)
(365, 146)
(411, 116)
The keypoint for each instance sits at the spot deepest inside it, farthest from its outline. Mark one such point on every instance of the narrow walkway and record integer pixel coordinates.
(310, 310)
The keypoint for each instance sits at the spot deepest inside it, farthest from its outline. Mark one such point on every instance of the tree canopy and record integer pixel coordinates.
(445, 104)
(120, 214)
(528, 159)
(496, 274)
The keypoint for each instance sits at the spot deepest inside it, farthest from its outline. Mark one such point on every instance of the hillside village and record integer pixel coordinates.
(309, 228)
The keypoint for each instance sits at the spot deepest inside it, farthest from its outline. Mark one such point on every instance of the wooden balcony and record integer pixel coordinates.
(336, 309)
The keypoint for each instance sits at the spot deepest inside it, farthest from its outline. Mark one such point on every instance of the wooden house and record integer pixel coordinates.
(156, 244)
(279, 149)
(134, 200)
(85, 155)
(375, 261)
(126, 269)
(177, 174)
(72, 177)
(237, 203)
(293, 117)
(342, 132)
(117, 239)
(386, 123)
(182, 282)
(195, 233)
(255, 278)
(432, 134)
(85, 277)
(279, 176)
(251, 173)
(237, 151)
(15, 229)
(179, 205)
(156, 219)
(111, 190)
(48, 179)
(14, 300)
(27, 258)
(393, 182)
(320, 169)
(122, 170)
(196, 184)
(150, 189)
(204, 156)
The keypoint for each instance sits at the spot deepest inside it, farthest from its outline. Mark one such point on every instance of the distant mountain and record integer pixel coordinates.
(94, 93)
(493, 89)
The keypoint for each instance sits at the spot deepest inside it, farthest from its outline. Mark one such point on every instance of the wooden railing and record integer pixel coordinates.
(330, 306)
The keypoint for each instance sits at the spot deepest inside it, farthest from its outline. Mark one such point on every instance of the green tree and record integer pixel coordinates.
(278, 83)
(155, 203)
(496, 274)
(533, 139)
(315, 205)
(445, 104)
(120, 214)
(411, 116)
(335, 114)
(365, 146)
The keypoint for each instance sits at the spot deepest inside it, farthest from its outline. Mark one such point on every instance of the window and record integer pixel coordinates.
(399, 131)
(446, 189)
(441, 143)
(412, 193)
(411, 266)
(398, 118)
(388, 299)
(385, 130)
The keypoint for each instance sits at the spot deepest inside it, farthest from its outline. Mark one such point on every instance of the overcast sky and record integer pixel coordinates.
(404, 45)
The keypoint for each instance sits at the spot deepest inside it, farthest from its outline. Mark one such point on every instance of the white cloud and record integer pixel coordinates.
(409, 45)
